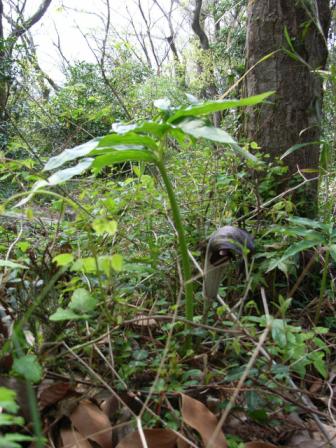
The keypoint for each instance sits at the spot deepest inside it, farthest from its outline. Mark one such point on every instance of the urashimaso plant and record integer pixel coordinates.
(147, 141)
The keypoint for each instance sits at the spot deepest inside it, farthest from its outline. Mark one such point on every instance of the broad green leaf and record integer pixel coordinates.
(82, 301)
(299, 231)
(7, 400)
(63, 259)
(87, 265)
(28, 367)
(278, 264)
(111, 140)
(296, 147)
(209, 107)
(198, 129)
(279, 332)
(71, 154)
(108, 263)
(299, 247)
(117, 262)
(23, 246)
(11, 264)
(319, 363)
(69, 173)
(146, 127)
(67, 314)
(308, 223)
(123, 156)
(103, 225)
(151, 127)
(121, 128)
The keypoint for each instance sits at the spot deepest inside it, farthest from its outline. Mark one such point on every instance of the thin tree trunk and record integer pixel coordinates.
(293, 116)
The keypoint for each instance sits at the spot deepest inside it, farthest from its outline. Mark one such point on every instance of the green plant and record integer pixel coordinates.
(10, 418)
(148, 142)
(312, 234)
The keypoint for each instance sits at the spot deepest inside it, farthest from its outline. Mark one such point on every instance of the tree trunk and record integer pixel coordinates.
(292, 117)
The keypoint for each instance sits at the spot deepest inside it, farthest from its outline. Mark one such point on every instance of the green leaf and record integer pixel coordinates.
(127, 155)
(209, 107)
(82, 301)
(28, 367)
(308, 223)
(87, 265)
(277, 263)
(11, 264)
(108, 263)
(279, 332)
(299, 247)
(140, 355)
(288, 39)
(146, 127)
(9, 440)
(7, 400)
(10, 420)
(296, 147)
(111, 140)
(63, 259)
(117, 262)
(103, 225)
(69, 173)
(198, 129)
(71, 154)
(67, 314)
(319, 363)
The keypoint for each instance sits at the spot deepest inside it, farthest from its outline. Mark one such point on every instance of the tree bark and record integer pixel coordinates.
(293, 114)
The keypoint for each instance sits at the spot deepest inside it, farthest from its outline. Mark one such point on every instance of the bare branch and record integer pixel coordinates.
(21, 29)
(197, 28)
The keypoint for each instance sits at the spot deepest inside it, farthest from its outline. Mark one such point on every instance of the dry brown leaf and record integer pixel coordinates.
(260, 445)
(50, 394)
(72, 439)
(181, 443)
(312, 438)
(198, 416)
(92, 423)
(155, 438)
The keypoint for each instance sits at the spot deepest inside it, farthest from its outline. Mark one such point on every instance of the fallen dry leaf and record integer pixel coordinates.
(92, 423)
(155, 438)
(49, 394)
(72, 439)
(198, 416)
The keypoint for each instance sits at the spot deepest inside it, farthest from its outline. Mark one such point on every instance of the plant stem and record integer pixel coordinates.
(188, 287)
(323, 285)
